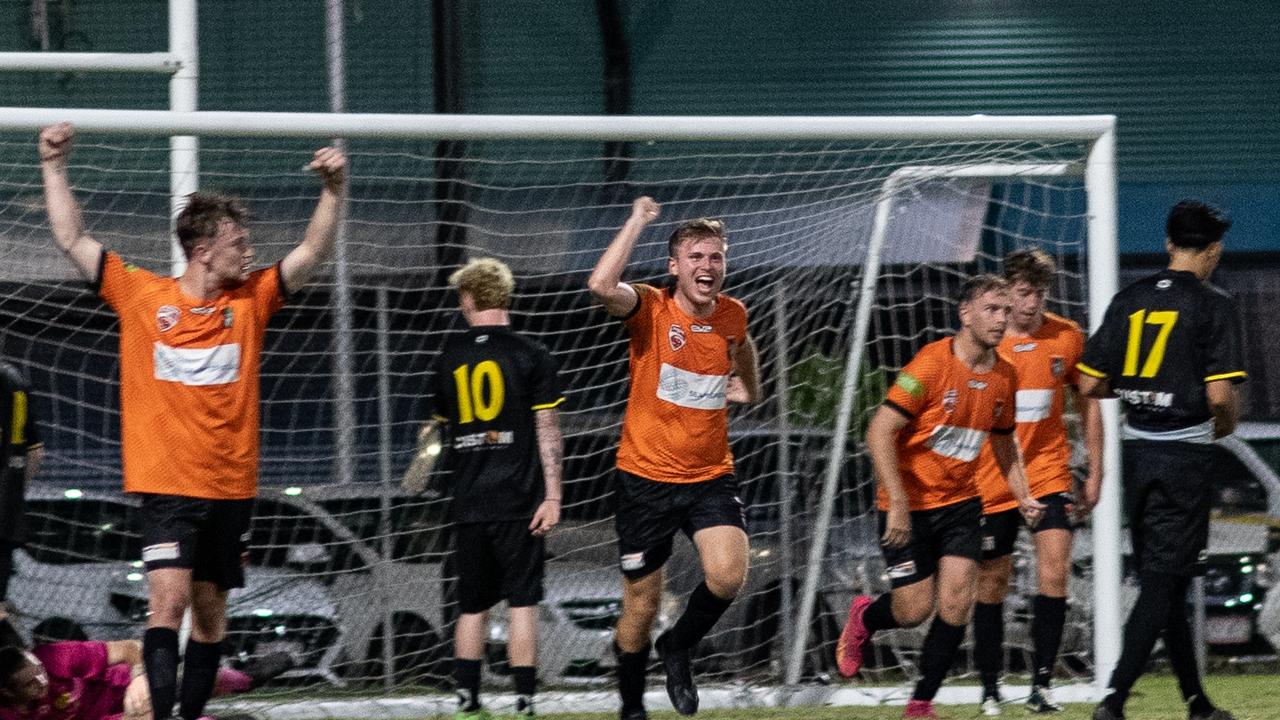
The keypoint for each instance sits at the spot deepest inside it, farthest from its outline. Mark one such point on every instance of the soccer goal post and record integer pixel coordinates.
(847, 237)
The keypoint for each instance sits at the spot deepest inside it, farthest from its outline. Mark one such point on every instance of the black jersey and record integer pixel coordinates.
(18, 435)
(1161, 340)
(486, 386)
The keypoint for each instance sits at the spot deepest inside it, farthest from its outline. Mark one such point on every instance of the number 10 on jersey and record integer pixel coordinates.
(473, 402)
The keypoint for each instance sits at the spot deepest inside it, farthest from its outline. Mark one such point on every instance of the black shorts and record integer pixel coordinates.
(954, 530)
(497, 561)
(208, 537)
(1168, 492)
(1000, 529)
(650, 513)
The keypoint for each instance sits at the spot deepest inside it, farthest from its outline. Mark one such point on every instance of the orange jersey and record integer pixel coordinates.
(952, 409)
(1046, 362)
(189, 381)
(676, 428)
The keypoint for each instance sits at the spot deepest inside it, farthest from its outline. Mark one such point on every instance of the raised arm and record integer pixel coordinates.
(84, 252)
(606, 285)
(298, 266)
(551, 454)
(744, 385)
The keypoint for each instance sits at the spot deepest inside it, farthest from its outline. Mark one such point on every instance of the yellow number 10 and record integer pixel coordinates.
(472, 401)
(1165, 319)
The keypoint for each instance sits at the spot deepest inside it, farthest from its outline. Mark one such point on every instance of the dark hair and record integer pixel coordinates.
(700, 228)
(979, 284)
(1032, 265)
(203, 213)
(57, 629)
(1196, 225)
(12, 659)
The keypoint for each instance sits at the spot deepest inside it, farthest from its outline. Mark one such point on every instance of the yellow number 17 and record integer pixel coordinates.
(1165, 319)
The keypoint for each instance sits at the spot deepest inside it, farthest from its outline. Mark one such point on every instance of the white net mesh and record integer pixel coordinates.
(336, 565)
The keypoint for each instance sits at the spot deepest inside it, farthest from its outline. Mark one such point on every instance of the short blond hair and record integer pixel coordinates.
(488, 281)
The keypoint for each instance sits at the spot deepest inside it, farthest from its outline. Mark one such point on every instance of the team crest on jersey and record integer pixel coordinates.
(166, 317)
(228, 316)
(997, 409)
(1058, 365)
(675, 336)
(949, 399)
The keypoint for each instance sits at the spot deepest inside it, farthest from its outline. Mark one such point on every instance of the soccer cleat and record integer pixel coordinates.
(852, 638)
(991, 705)
(679, 666)
(921, 710)
(1217, 714)
(477, 714)
(1041, 700)
(637, 713)
(1102, 712)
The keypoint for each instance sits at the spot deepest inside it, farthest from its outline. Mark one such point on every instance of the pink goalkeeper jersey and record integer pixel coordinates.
(82, 686)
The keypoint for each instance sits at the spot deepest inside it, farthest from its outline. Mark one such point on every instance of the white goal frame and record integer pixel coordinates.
(1097, 132)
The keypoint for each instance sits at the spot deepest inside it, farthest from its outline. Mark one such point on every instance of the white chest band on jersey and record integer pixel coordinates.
(1033, 405)
(960, 443)
(218, 365)
(692, 390)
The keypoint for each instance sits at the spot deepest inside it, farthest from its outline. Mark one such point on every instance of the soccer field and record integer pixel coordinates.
(1250, 697)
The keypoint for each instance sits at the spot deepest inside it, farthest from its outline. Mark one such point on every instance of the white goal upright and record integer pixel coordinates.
(847, 240)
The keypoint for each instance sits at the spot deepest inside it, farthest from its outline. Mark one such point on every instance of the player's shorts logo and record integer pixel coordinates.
(632, 561)
(160, 551)
(675, 336)
(902, 570)
(166, 317)
(988, 542)
(1058, 365)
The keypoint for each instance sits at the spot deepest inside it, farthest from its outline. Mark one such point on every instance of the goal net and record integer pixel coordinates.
(349, 579)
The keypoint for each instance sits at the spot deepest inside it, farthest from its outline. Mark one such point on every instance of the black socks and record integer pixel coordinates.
(466, 680)
(988, 644)
(702, 612)
(1046, 635)
(160, 658)
(936, 657)
(199, 673)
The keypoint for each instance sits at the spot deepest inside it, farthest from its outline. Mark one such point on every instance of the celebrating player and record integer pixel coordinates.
(1043, 348)
(690, 356)
(1170, 348)
(498, 392)
(924, 442)
(190, 352)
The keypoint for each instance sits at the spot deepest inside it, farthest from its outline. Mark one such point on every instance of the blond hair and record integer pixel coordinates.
(488, 281)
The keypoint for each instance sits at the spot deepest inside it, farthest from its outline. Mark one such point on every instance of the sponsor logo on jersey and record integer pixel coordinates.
(700, 328)
(632, 561)
(949, 400)
(204, 310)
(166, 317)
(690, 389)
(160, 551)
(1057, 365)
(1146, 397)
(977, 385)
(1024, 347)
(675, 336)
(902, 570)
(1033, 405)
(910, 384)
(958, 443)
(217, 365)
(487, 438)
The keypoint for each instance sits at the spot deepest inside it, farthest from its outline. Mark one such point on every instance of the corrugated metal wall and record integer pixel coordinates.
(1195, 84)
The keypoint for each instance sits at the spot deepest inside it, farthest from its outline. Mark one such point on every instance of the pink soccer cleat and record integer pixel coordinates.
(921, 710)
(854, 636)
